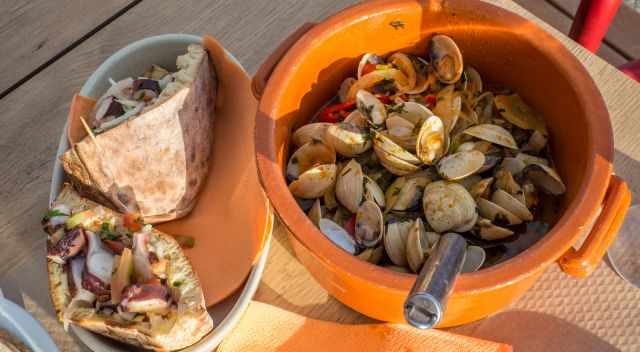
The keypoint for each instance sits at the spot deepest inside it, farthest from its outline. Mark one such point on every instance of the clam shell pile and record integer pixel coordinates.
(415, 148)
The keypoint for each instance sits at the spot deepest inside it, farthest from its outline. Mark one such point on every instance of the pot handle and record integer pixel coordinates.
(582, 262)
(260, 79)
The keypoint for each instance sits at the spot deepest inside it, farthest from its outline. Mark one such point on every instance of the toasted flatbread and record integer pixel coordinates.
(192, 323)
(156, 162)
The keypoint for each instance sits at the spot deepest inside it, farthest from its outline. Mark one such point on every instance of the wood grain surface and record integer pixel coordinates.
(33, 115)
(32, 32)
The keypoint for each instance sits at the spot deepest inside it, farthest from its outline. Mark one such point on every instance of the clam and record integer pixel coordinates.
(345, 86)
(460, 164)
(372, 255)
(448, 107)
(473, 82)
(511, 204)
(505, 181)
(309, 133)
(473, 259)
(393, 157)
(483, 106)
(545, 178)
(368, 59)
(446, 58)
(447, 205)
(395, 239)
(347, 139)
(373, 80)
(490, 161)
(494, 134)
(397, 126)
(517, 112)
(529, 195)
(482, 189)
(413, 112)
(536, 142)
(356, 118)
(530, 159)
(417, 246)
(315, 213)
(466, 147)
(405, 193)
(314, 182)
(371, 107)
(432, 140)
(309, 155)
(491, 232)
(405, 65)
(338, 235)
(467, 226)
(423, 79)
(373, 192)
(512, 165)
(497, 214)
(369, 224)
(349, 186)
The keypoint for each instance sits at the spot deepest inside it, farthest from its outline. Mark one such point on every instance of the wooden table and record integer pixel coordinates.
(50, 48)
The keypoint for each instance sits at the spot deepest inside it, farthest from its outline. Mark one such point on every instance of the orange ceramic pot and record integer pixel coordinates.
(506, 49)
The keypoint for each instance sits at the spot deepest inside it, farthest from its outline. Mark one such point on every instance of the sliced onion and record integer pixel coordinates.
(99, 259)
(141, 265)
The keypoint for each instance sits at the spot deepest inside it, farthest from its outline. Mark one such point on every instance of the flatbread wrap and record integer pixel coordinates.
(112, 275)
(150, 140)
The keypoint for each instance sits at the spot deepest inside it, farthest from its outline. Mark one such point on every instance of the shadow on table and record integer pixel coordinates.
(531, 331)
(629, 169)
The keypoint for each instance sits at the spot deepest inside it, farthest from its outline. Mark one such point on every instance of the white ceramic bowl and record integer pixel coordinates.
(128, 62)
(20, 324)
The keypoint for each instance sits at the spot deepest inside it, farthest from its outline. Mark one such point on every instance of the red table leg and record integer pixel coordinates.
(592, 21)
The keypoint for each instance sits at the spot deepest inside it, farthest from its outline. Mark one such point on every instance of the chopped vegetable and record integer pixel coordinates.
(336, 112)
(81, 218)
(122, 275)
(132, 221)
(51, 213)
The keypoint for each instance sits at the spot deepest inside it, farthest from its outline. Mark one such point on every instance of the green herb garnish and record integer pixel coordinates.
(177, 283)
(52, 213)
(399, 108)
(107, 233)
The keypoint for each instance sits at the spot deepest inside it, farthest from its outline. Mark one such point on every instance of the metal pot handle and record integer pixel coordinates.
(582, 262)
(260, 79)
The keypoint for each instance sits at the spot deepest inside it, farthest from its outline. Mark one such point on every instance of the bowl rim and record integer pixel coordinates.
(574, 222)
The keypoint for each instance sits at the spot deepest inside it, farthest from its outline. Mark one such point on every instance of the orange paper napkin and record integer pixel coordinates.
(267, 328)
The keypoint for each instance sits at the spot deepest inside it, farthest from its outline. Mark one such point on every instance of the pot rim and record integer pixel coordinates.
(573, 223)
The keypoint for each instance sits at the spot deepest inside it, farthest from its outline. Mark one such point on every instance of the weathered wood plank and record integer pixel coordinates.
(562, 23)
(32, 32)
(624, 32)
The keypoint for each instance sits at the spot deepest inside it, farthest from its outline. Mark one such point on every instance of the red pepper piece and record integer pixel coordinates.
(385, 99)
(430, 99)
(350, 225)
(132, 222)
(333, 113)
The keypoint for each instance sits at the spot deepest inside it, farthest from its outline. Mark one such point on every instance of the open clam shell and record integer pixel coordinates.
(369, 224)
(338, 235)
(347, 139)
(446, 58)
(511, 204)
(448, 107)
(491, 232)
(482, 189)
(536, 142)
(417, 246)
(413, 112)
(474, 259)
(395, 241)
(315, 213)
(494, 134)
(373, 192)
(310, 154)
(309, 132)
(397, 126)
(497, 214)
(512, 165)
(349, 186)
(314, 182)
(405, 193)
(357, 119)
(460, 164)
(530, 159)
(517, 112)
(371, 107)
(504, 180)
(423, 77)
(473, 82)
(545, 178)
(431, 143)
(405, 65)
(372, 255)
